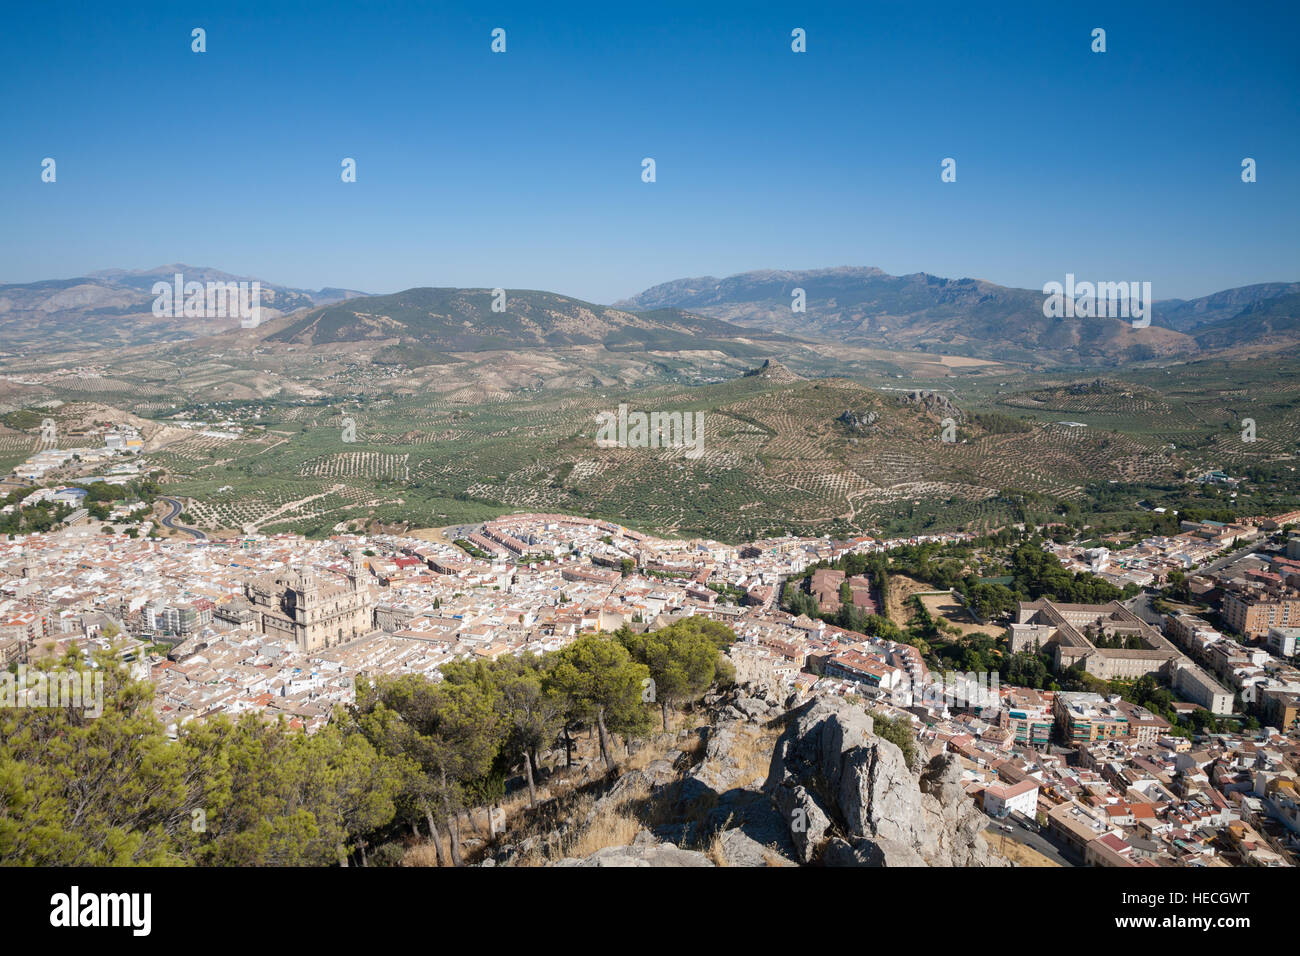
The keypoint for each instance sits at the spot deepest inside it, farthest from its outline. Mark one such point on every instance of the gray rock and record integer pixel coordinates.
(659, 772)
(878, 796)
(661, 854)
(840, 852)
(740, 849)
(830, 765)
(625, 786)
(752, 707)
(805, 818)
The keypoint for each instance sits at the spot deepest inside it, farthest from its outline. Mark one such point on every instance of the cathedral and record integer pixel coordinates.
(297, 606)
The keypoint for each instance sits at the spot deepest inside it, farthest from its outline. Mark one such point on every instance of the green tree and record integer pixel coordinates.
(531, 713)
(682, 661)
(600, 683)
(453, 736)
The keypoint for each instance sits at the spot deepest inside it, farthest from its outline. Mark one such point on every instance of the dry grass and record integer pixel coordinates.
(753, 753)
(1016, 852)
(422, 854)
(614, 825)
(714, 850)
(946, 608)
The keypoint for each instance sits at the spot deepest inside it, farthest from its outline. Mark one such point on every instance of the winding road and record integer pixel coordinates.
(169, 520)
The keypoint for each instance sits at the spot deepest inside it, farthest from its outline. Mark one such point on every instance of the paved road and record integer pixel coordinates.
(1141, 605)
(1035, 841)
(1228, 559)
(169, 520)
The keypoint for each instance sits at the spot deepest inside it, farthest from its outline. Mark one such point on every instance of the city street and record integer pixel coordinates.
(1035, 841)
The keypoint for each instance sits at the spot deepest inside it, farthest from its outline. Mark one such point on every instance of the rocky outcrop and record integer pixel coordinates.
(859, 423)
(934, 403)
(756, 702)
(834, 794)
(849, 799)
(773, 372)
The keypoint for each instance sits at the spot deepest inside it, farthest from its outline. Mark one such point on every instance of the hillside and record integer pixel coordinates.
(1186, 315)
(1267, 325)
(463, 320)
(115, 308)
(865, 306)
(804, 455)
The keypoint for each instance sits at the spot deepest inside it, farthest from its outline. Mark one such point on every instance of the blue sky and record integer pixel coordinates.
(523, 170)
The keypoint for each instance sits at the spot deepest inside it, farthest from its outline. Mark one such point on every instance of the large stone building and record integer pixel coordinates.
(1111, 642)
(298, 606)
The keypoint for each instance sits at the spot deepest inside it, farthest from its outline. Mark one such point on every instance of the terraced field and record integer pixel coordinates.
(775, 458)
(465, 440)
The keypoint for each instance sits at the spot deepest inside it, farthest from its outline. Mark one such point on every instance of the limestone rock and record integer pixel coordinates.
(856, 788)
(658, 854)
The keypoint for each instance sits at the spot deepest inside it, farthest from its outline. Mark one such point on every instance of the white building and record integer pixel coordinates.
(1282, 640)
(1000, 799)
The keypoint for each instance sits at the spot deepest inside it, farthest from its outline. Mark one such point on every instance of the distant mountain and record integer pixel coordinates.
(1188, 314)
(1266, 325)
(740, 316)
(115, 307)
(869, 307)
(463, 320)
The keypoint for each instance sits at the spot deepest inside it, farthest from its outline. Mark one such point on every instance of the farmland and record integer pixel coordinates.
(314, 440)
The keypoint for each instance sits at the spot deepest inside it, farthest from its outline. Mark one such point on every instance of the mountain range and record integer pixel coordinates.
(115, 307)
(465, 320)
(869, 307)
(742, 315)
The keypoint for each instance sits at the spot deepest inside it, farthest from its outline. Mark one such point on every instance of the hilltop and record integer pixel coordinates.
(774, 372)
(464, 320)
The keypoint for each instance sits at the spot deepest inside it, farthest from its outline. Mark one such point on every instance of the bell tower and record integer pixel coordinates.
(359, 574)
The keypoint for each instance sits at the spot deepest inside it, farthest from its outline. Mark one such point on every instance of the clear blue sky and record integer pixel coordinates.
(524, 170)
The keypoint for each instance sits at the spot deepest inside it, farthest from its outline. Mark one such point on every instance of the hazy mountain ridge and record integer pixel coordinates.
(1271, 323)
(1193, 314)
(866, 306)
(115, 307)
(463, 320)
(740, 315)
